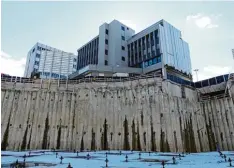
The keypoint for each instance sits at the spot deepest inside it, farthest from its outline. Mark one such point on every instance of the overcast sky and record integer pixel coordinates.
(208, 27)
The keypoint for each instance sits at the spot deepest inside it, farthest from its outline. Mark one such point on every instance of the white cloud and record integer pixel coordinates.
(12, 66)
(202, 21)
(212, 71)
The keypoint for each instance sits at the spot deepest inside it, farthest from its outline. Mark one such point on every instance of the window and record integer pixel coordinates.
(158, 59)
(146, 64)
(123, 48)
(150, 62)
(123, 38)
(36, 62)
(154, 61)
(33, 50)
(38, 55)
(106, 31)
(106, 41)
(106, 52)
(122, 28)
(123, 58)
(35, 70)
(106, 62)
(127, 28)
(38, 48)
(74, 60)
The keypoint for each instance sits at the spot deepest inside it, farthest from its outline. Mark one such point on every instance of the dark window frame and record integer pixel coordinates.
(106, 62)
(106, 52)
(106, 41)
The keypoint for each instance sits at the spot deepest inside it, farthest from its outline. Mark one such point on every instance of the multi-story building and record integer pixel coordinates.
(157, 47)
(108, 50)
(49, 62)
(117, 49)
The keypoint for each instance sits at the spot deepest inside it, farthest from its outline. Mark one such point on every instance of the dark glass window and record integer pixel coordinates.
(204, 83)
(36, 63)
(220, 79)
(123, 48)
(122, 28)
(38, 55)
(212, 81)
(123, 58)
(150, 62)
(158, 59)
(146, 64)
(106, 31)
(157, 40)
(74, 60)
(154, 61)
(106, 41)
(106, 62)
(123, 38)
(127, 28)
(157, 52)
(106, 52)
(33, 50)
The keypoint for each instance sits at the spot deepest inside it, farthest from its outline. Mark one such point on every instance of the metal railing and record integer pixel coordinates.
(76, 81)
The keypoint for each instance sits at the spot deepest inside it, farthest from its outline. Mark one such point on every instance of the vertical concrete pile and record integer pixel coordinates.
(146, 114)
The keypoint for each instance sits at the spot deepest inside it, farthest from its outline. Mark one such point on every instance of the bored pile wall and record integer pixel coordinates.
(143, 115)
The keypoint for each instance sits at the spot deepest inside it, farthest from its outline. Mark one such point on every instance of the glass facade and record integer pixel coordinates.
(174, 49)
(159, 43)
(199, 84)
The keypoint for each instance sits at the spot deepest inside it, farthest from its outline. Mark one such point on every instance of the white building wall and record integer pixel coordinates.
(52, 61)
(115, 43)
(101, 44)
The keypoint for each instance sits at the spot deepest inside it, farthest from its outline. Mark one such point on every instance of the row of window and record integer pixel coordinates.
(179, 80)
(150, 62)
(142, 45)
(53, 75)
(122, 28)
(88, 54)
(139, 57)
(43, 49)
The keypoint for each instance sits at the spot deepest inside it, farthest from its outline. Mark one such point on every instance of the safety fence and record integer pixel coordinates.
(45, 83)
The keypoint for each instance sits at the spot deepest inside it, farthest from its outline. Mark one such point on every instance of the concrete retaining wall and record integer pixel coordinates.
(139, 115)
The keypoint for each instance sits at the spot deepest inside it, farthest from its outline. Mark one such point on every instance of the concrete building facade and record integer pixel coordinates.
(118, 48)
(108, 49)
(49, 62)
